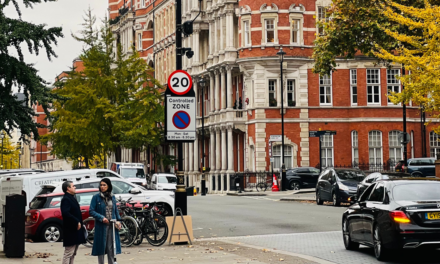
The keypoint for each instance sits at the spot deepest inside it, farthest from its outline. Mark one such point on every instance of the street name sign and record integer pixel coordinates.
(321, 133)
(275, 138)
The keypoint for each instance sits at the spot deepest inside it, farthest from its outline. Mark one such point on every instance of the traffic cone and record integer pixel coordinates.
(195, 191)
(275, 184)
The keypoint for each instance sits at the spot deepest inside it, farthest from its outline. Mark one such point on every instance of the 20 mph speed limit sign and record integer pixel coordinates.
(179, 82)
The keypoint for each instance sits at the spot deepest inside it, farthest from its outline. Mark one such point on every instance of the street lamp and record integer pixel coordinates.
(281, 54)
(202, 84)
(2, 136)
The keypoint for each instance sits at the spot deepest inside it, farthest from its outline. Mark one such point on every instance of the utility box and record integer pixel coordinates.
(13, 223)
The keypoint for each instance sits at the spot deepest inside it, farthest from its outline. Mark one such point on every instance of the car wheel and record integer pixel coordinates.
(336, 201)
(380, 251)
(294, 185)
(349, 245)
(51, 233)
(417, 175)
(318, 198)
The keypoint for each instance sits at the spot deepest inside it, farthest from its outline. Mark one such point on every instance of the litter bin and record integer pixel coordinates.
(190, 191)
(237, 183)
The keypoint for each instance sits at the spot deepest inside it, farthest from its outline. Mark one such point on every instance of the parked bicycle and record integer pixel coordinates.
(151, 225)
(127, 234)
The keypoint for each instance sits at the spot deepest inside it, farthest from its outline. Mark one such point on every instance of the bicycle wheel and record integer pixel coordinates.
(129, 231)
(261, 187)
(157, 230)
(89, 224)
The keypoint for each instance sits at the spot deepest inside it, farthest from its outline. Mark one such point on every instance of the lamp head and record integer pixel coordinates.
(202, 82)
(2, 134)
(281, 53)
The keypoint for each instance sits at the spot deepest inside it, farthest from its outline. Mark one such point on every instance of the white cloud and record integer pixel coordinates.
(67, 14)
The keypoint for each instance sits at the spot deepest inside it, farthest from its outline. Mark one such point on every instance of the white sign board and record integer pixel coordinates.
(275, 138)
(181, 118)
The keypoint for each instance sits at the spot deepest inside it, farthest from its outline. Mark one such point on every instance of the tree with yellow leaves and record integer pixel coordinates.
(9, 153)
(420, 55)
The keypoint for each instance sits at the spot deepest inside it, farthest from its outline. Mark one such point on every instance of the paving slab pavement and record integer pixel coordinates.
(201, 252)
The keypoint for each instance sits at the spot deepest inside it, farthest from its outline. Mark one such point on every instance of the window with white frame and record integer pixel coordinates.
(270, 30)
(272, 93)
(322, 16)
(373, 86)
(375, 147)
(434, 144)
(139, 41)
(142, 3)
(325, 89)
(396, 150)
(291, 93)
(247, 33)
(353, 87)
(276, 153)
(295, 27)
(355, 147)
(393, 84)
(327, 151)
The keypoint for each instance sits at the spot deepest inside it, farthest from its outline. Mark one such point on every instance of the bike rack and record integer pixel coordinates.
(178, 210)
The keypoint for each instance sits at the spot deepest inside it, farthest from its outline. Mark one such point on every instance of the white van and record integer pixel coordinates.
(9, 185)
(32, 182)
(163, 181)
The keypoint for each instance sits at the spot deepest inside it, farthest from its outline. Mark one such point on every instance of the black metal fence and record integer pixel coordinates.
(388, 166)
(248, 181)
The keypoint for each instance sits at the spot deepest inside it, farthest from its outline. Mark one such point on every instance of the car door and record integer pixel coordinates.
(303, 174)
(328, 186)
(313, 177)
(122, 189)
(321, 184)
(356, 216)
(84, 200)
(372, 210)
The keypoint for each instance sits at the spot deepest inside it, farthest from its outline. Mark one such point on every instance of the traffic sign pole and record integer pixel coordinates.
(180, 200)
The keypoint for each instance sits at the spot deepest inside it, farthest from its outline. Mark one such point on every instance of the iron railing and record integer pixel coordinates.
(248, 181)
(388, 166)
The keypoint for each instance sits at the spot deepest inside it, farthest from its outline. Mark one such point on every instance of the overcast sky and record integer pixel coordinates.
(65, 13)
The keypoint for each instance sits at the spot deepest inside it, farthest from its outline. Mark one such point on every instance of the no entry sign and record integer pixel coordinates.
(179, 82)
(180, 118)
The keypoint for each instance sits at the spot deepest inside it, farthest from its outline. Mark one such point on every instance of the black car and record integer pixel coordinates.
(393, 215)
(303, 177)
(370, 179)
(338, 185)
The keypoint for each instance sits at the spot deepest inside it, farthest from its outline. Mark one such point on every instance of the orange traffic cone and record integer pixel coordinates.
(275, 184)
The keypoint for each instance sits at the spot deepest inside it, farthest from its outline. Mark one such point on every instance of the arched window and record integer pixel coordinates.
(396, 151)
(276, 153)
(434, 144)
(354, 147)
(375, 147)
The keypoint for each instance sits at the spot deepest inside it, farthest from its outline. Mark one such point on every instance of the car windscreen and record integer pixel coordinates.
(167, 179)
(46, 202)
(417, 192)
(132, 173)
(350, 175)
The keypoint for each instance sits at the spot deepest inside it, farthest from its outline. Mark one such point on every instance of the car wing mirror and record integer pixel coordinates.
(135, 190)
(363, 203)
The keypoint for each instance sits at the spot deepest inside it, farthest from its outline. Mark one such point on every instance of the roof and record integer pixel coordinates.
(19, 170)
(87, 181)
(61, 193)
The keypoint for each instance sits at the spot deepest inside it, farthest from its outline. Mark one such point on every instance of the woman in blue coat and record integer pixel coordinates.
(103, 209)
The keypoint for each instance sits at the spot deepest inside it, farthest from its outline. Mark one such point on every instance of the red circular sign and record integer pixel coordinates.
(180, 82)
(181, 120)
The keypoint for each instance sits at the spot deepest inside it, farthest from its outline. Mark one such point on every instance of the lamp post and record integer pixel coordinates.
(281, 54)
(2, 136)
(202, 84)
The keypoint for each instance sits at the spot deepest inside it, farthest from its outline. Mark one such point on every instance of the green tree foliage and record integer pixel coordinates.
(357, 28)
(112, 102)
(14, 72)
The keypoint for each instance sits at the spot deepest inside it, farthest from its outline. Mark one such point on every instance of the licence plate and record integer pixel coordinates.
(432, 216)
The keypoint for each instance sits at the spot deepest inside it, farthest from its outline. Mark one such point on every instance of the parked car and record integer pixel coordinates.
(44, 221)
(338, 185)
(421, 167)
(303, 177)
(163, 181)
(125, 189)
(394, 215)
(399, 166)
(370, 179)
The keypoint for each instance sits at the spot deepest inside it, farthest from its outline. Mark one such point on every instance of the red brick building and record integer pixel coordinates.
(235, 45)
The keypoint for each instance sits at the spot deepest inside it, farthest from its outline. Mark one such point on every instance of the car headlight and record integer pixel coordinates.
(343, 187)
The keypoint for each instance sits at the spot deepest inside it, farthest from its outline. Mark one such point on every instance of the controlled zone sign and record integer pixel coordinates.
(181, 118)
(179, 82)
